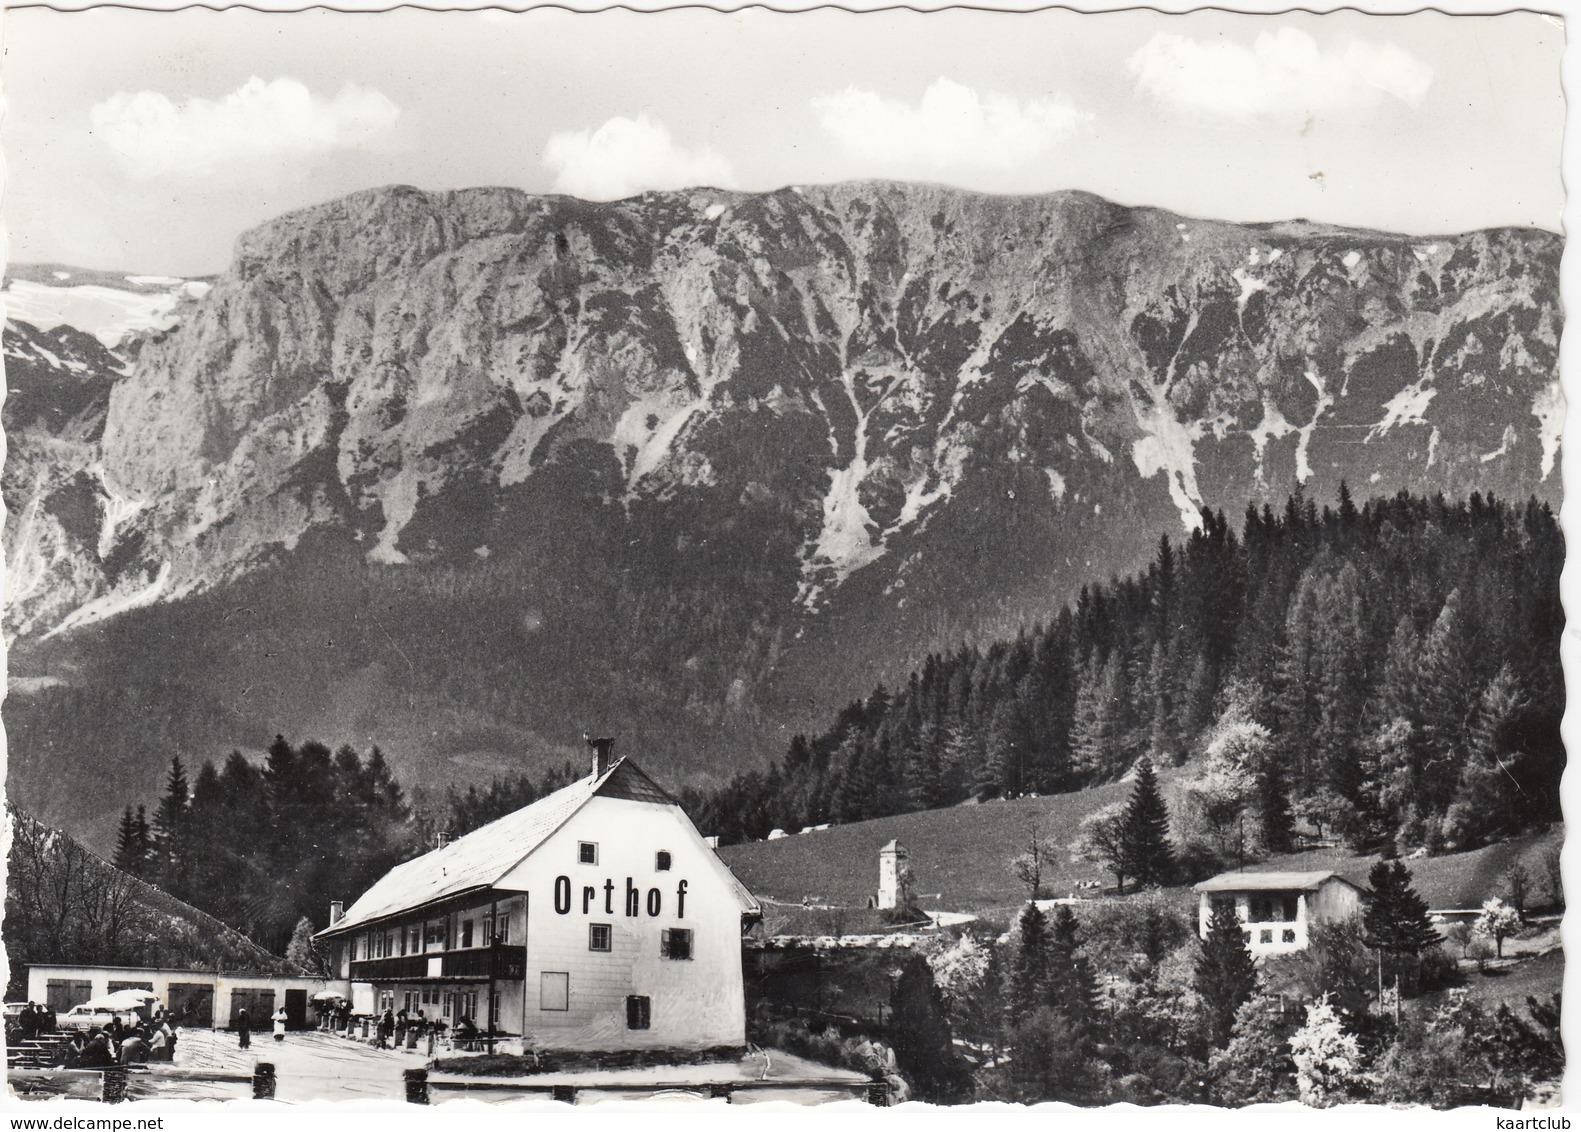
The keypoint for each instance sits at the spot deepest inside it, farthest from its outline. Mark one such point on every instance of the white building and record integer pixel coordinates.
(596, 918)
(894, 876)
(1277, 910)
(197, 998)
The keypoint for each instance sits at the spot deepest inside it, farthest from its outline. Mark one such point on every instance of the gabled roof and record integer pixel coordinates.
(1271, 882)
(482, 858)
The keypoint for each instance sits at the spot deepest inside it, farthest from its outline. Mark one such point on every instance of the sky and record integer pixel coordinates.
(147, 142)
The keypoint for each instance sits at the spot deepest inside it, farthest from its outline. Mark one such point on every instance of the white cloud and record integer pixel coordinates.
(952, 125)
(624, 157)
(258, 123)
(1282, 73)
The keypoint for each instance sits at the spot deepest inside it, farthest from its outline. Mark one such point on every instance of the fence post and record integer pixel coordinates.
(566, 1093)
(114, 1084)
(878, 1092)
(416, 1086)
(263, 1081)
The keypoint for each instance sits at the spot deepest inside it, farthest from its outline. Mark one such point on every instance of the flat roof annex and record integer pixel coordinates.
(1272, 882)
(480, 859)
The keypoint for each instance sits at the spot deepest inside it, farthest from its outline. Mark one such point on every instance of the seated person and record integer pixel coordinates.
(75, 1044)
(465, 1027)
(98, 1052)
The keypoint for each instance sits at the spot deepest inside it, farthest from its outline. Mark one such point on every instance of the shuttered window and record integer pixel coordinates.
(639, 1012)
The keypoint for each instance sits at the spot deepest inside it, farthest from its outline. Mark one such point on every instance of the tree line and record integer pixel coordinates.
(262, 847)
(1387, 674)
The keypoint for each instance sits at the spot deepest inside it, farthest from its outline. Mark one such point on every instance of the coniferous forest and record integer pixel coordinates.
(1387, 674)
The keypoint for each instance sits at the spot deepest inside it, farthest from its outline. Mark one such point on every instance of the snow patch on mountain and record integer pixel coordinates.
(1549, 409)
(1249, 285)
(1507, 441)
(1409, 406)
(1273, 426)
(106, 313)
(1169, 446)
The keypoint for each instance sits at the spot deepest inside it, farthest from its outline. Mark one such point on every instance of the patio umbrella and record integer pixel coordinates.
(121, 1000)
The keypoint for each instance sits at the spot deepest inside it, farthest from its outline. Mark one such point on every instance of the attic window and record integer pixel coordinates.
(662, 862)
(587, 852)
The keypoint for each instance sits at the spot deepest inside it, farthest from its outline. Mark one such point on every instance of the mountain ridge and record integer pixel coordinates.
(720, 438)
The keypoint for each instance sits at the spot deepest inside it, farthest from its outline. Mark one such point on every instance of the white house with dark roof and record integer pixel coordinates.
(596, 918)
(1277, 910)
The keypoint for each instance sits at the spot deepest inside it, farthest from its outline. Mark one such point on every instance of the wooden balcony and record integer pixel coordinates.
(472, 964)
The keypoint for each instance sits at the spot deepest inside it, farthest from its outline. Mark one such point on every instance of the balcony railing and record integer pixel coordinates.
(502, 961)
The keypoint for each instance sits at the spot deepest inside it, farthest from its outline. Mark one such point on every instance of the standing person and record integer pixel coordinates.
(244, 1029)
(279, 1020)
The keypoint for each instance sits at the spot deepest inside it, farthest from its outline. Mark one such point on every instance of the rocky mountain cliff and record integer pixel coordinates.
(463, 473)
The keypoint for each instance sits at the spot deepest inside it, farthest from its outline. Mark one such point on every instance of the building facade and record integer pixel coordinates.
(596, 918)
(196, 998)
(894, 876)
(1277, 910)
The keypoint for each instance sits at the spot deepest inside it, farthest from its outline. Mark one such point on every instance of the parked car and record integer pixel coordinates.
(86, 1017)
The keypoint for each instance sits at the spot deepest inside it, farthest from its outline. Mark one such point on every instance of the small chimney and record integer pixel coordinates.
(337, 910)
(601, 754)
(441, 838)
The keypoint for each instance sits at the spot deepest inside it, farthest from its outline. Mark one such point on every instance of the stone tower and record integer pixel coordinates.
(894, 876)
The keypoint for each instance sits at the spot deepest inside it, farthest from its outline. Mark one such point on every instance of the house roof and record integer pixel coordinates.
(482, 858)
(1271, 882)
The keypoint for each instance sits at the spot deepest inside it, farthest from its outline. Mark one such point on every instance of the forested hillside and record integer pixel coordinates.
(1389, 673)
(264, 846)
(64, 905)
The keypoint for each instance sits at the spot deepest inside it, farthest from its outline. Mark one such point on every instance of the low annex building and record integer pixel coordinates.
(1277, 910)
(196, 998)
(596, 918)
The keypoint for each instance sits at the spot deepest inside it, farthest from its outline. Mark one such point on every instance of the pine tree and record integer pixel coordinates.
(1275, 822)
(1488, 800)
(1225, 975)
(128, 854)
(143, 838)
(1146, 850)
(1073, 986)
(1027, 981)
(1097, 735)
(167, 862)
(303, 951)
(1396, 919)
